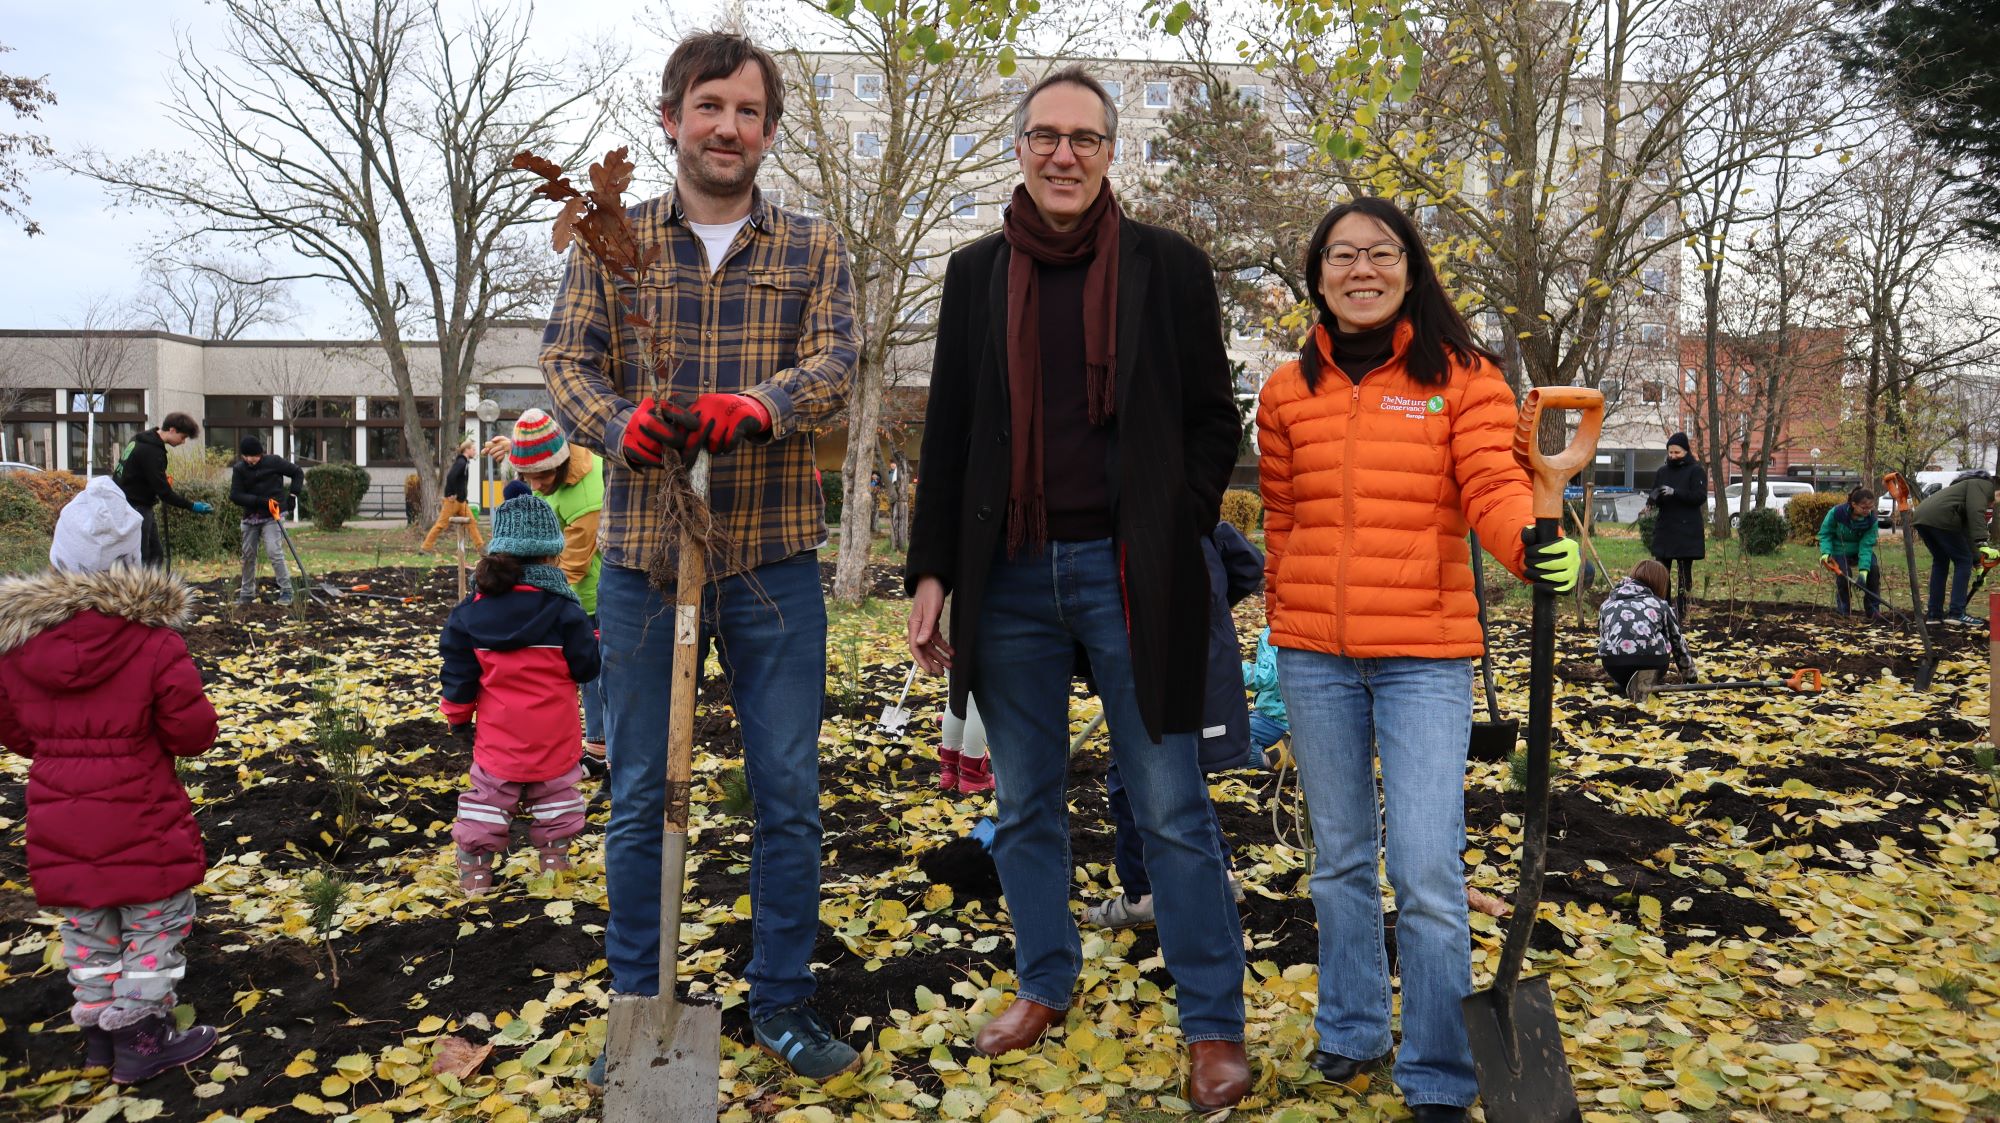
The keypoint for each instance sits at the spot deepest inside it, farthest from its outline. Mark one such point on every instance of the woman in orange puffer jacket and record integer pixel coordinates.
(1385, 442)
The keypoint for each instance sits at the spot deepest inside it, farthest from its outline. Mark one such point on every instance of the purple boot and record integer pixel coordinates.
(98, 1051)
(150, 1047)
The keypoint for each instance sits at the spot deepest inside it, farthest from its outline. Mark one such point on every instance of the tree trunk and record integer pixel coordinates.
(857, 506)
(899, 501)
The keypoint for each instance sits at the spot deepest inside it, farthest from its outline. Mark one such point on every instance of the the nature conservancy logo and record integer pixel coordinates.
(1414, 408)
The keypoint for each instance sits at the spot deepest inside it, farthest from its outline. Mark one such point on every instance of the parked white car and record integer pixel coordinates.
(1777, 495)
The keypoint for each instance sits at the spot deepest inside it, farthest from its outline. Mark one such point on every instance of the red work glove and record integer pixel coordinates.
(724, 420)
(656, 429)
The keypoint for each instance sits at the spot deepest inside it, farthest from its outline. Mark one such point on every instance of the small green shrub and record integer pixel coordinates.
(1242, 509)
(1805, 512)
(334, 493)
(192, 537)
(1761, 531)
(1647, 522)
(53, 490)
(20, 508)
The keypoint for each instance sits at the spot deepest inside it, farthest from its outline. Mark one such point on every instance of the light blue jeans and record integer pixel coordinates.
(1416, 716)
(1039, 606)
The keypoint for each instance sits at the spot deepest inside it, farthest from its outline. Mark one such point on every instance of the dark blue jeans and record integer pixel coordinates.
(1128, 852)
(1843, 587)
(1951, 552)
(593, 700)
(773, 652)
(1038, 607)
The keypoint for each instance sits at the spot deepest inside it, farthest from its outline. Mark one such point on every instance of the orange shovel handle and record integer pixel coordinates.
(1806, 679)
(274, 510)
(1551, 471)
(1897, 487)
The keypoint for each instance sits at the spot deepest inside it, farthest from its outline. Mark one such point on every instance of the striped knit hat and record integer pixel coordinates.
(538, 443)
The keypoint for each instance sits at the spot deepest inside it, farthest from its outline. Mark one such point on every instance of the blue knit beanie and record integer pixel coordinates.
(526, 527)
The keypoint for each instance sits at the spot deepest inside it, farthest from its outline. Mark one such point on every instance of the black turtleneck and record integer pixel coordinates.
(1356, 353)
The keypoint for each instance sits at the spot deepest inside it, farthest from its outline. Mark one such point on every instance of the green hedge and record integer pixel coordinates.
(192, 537)
(1761, 531)
(19, 507)
(1805, 512)
(334, 493)
(1647, 522)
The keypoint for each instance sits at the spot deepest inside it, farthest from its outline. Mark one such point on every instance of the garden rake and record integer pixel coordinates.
(1645, 684)
(1838, 569)
(1906, 511)
(1517, 1047)
(663, 1056)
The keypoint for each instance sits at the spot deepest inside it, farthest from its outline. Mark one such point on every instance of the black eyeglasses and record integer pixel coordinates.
(1340, 255)
(1043, 142)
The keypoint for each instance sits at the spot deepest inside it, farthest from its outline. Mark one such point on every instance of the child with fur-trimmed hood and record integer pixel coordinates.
(97, 689)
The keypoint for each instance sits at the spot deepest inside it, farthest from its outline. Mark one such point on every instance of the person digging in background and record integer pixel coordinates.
(571, 480)
(1637, 632)
(1954, 524)
(142, 475)
(1847, 539)
(1388, 436)
(514, 653)
(256, 480)
(97, 689)
(1235, 570)
(453, 505)
(1680, 489)
(1268, 721)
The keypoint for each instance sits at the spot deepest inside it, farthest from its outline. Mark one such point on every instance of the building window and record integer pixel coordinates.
(913, 86)
(868, 146)
(1252, 95)
(110, 440)
(1159, 95)
(1156, 151)
(1115, 88)
(323, 445)
(1654, 278)
(30, 442)
(1295, 103)
(1652, 335)
(1573, 113)
(1201, 95)
(130, 402)
(913, 207)
(1006, 145)
(962, 145)
(1652, 393)
(1655, 113)
(1295, 154)
(964, 206)
(822, 86)
(1656, 225)
(868, 87)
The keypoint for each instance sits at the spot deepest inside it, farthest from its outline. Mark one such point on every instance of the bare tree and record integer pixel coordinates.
(209, 297)
(293, 377)
(24, 97)
(95, 356)
(372, 139)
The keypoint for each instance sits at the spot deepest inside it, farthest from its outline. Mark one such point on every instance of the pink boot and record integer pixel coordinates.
(948, 766)
(975, 774)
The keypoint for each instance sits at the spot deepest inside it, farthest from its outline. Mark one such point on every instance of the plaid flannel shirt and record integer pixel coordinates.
(775, 322)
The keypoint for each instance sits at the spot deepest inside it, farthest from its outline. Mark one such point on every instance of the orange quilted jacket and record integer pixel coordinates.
(1368, 491)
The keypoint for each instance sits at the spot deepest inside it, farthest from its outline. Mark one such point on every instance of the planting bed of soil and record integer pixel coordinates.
(1735, 881)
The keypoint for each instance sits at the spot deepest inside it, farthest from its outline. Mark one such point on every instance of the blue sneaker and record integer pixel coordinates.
(797, 1037)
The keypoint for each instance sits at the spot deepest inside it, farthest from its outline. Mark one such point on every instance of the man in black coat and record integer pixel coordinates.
(142, 476)
(254, 482)
(1079, 436)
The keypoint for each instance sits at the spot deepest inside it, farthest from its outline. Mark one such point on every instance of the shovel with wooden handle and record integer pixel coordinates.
(1517, 1046)
(1906, 513)
(663, 1056)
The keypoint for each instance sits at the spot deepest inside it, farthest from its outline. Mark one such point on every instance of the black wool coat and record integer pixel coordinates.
(1678, 533)
(1174, 441)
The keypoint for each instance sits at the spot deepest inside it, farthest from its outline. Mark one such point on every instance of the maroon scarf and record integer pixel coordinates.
(1094, 240)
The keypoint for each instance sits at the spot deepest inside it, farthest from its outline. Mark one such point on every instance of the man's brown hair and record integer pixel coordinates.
(710, 55)
(182, 423)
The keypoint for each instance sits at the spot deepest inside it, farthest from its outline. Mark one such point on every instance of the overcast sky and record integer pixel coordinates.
(107, 62)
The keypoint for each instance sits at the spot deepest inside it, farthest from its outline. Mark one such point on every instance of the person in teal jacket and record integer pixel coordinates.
(1269, 723)
(1847, 539)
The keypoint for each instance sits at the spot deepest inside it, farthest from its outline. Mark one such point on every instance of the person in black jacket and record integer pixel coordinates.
(456, 479)
(1680, 490)
(1080, 431)
(142, 476)
(254, 482)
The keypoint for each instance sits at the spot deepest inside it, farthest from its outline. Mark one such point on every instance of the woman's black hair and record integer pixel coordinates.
(1440, 334)
(498, 573)
(1860, 495)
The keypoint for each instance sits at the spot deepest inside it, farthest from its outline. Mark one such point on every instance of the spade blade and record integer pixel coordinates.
(1523, 1075)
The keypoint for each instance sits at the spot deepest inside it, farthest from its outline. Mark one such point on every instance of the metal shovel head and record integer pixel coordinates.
(894, 719)
(1493, 740)
(663, 1060)
(1523, 1076)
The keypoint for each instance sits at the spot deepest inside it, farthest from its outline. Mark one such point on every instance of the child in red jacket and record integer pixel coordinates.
(98, 690)
(514, 653)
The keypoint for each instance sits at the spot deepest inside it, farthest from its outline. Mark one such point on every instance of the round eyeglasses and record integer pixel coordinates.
(1043, 142)
(1340, 255)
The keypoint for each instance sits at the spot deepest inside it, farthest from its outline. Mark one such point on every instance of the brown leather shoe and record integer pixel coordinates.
(1019, 1026)
(1218, 1074)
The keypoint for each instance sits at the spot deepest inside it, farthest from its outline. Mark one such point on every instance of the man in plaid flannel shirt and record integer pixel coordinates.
(752, 310)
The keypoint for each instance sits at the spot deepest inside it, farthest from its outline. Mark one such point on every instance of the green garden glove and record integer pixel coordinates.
(1989, 555)
(1826, 559)
(1555, 564)
(1861, 575)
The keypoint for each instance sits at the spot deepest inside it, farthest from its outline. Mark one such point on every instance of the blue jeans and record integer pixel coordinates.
(593, 702)
(1951, 552)
(1038, 607)
(1128, 851)
(1265, 731)
(773, 652)
(1416, 714)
